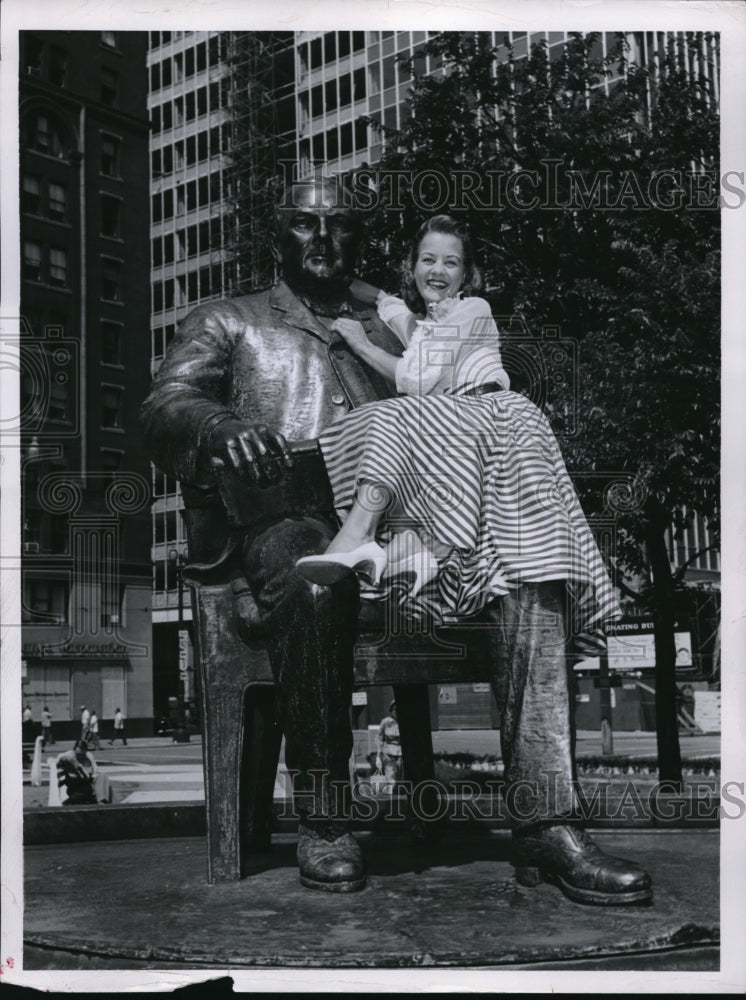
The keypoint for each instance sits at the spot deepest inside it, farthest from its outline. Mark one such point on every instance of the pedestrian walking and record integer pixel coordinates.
(389, 757)
(46, 727)
(28, 734)
(85, 718)
(93, 741)
(118, 728)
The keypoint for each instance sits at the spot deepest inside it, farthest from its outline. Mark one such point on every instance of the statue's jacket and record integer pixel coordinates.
(264, 358)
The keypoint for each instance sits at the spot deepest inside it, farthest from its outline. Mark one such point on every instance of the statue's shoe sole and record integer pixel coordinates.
(353, 885)
(533, 876)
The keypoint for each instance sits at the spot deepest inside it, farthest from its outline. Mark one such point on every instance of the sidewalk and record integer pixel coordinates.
(121, 781)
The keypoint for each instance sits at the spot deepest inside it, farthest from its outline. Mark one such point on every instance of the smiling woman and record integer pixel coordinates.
(439, 271)
(460, 483)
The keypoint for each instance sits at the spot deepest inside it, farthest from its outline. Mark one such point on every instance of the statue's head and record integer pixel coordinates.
(317, 237)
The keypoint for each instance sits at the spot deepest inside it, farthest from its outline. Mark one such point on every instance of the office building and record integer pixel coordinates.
(85, 367)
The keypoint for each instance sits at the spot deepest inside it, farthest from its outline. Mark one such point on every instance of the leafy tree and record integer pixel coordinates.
(590, 185)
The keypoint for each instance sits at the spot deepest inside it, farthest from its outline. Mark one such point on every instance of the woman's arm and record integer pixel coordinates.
(364, 292)
(353, 333)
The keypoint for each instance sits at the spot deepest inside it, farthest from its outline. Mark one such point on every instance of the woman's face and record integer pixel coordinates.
(439, 270)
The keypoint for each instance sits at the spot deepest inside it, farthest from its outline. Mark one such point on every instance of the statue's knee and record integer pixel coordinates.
(341, 597)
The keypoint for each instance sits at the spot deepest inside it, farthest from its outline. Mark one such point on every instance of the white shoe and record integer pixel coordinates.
(406, 553)
(368, 560)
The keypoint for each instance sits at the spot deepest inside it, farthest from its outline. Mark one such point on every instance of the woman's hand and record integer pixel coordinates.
(352, 332)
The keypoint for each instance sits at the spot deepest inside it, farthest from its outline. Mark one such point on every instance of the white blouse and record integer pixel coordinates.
(456, 351)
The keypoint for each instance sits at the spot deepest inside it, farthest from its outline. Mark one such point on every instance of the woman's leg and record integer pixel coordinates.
(371, 501)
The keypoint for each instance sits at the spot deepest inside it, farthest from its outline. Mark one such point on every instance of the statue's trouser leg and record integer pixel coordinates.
(532, 681)
(533, 687)
(311, 633)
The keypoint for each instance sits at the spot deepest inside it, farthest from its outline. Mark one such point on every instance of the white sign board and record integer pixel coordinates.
(635, 650)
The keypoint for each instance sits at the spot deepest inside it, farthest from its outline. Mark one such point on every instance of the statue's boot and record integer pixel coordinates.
(568, 858)
(329, 858)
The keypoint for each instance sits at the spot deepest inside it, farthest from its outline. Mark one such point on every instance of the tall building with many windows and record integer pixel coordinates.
(84, 352)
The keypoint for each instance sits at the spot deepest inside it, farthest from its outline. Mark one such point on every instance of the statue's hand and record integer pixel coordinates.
(249, 448)
(352, 332)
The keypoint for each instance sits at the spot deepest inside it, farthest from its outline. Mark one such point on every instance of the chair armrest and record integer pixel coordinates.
(302, 490)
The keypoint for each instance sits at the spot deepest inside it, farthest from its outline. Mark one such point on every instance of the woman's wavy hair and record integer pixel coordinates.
(451, 227)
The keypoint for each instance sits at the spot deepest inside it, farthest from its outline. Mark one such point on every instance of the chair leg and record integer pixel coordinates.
(413, 710)
(233, 743)
(260, 753)
(221, 747)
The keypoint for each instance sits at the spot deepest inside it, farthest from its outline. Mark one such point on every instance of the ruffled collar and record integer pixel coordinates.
(438, 311)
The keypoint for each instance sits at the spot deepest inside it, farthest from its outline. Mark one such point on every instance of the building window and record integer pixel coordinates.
(31, 195)
(57, 267)
(330, 93)
(358, 41)
(361, 135)
(109, 87)
(111, 407)
(109, 39)
(47, 600)
(111, 461)
(358, 79)
(317, 101)
(111, 343)
(316, 53)
(155, 76)
(43, 136)
(32, 53)
(330, 46)
(111, 280)
(111, 212)
(59, 401)
(345, 90)
(110, 147)
(346, 139)
(57, 202)
(31, 261)
(58, 66)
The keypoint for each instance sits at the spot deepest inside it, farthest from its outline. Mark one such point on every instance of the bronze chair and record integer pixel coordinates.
(241, 740)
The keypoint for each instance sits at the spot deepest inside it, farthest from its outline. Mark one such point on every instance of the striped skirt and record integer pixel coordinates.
(484, 476)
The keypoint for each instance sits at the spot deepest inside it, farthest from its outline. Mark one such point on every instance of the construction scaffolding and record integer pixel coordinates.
(262, 103)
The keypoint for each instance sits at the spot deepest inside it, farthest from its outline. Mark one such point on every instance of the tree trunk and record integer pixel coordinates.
(666, 722)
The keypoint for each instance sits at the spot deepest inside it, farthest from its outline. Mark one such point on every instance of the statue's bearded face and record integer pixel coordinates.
(318, 240)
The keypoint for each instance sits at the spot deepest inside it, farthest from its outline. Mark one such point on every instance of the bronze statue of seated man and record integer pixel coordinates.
(242, 378)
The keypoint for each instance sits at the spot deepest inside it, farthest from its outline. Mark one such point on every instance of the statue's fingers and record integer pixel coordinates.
(283, 447)
(245, 456)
